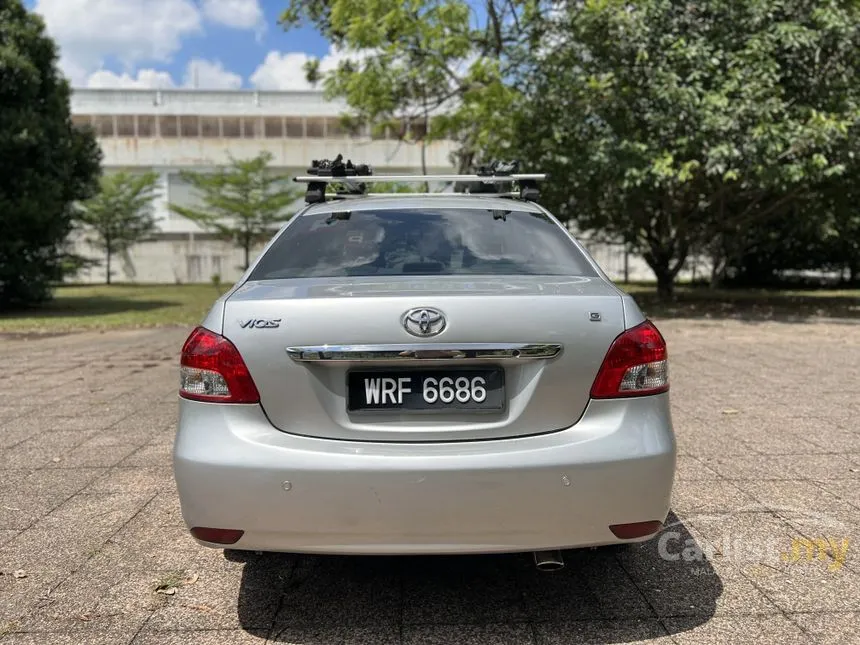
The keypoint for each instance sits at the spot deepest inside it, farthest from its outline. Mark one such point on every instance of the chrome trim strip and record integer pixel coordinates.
(424, 352)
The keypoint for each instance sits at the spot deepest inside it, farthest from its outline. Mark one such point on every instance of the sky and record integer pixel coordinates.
(209, 44)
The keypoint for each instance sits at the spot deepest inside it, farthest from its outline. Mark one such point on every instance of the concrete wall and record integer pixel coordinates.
(129, 152)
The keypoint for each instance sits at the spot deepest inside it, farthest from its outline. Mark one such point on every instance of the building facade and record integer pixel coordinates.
(168, 131)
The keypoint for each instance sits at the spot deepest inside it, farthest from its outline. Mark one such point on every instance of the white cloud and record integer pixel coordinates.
(285, 71)
(145, 79)
(240, 14)
(210, 75)
(90, 31)
(200, 73)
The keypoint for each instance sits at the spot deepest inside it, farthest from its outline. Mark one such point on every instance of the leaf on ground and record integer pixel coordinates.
(730, 411)
(204, 608)
(170, 584)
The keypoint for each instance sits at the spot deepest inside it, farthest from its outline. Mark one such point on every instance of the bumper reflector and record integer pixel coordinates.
(635, 530)
(218, 536)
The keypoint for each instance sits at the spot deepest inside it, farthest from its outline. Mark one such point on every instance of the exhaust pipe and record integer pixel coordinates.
(548, 560)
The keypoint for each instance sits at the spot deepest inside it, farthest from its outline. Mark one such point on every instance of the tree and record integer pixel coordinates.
(243, 203)
(121, 214)
(674, 124)
(840, 197)
(414, 60)
(45, 163)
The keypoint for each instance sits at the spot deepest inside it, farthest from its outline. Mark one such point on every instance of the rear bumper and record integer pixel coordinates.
(557, 490)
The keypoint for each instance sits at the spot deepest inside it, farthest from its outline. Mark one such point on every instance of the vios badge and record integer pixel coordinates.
(260, 323)
(424, 321)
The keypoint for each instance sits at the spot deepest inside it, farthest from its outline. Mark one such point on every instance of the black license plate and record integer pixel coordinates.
(428, 390)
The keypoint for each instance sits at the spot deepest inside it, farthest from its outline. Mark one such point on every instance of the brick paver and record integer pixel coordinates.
(768, 474)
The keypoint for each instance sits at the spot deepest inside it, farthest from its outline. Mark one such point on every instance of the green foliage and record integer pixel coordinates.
(685, 124)
(120, 215)
(243, 203)
(718, 127)
(420, 58)
(45, 164)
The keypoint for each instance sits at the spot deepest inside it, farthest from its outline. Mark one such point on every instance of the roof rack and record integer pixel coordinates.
(351, 181)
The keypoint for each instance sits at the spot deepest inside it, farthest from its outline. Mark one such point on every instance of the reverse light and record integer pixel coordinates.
(212, 370)
(635, 365)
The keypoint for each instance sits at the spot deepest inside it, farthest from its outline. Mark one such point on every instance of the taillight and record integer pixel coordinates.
(213, 370)
(635, 365)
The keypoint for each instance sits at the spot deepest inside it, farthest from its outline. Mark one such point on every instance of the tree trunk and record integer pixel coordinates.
(718, 263)
(665, 286)
(716, 275)
(247, 256)
(424, 161)
(666, 262)
(107, 265)
(424, 144)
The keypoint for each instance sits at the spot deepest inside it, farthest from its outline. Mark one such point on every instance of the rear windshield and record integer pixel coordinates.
(422, 242)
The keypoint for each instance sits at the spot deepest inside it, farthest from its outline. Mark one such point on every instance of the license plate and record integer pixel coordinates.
(428, 390)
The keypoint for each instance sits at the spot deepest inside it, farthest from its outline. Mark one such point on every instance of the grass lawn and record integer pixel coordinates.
(128, 306)
(81, 307)
(749, 304)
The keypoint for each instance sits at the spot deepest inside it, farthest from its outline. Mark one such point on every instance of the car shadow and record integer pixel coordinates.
(97, 305)
(605, 595)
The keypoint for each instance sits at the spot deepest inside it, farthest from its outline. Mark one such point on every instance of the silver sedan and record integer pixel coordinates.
(402, 375)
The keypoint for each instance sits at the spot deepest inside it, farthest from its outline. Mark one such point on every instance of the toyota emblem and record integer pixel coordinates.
(424, 321)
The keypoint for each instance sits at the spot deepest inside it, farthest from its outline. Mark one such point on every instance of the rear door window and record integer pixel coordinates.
(422, 242)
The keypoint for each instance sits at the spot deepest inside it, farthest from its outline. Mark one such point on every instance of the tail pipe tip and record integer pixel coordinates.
(548, 560)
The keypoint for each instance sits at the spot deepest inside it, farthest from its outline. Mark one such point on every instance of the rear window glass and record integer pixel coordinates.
(421, 242)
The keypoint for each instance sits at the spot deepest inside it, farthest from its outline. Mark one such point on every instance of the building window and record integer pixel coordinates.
(359, 131)
(334, 128)
(274, 127)
(379, 132)
(295, 126)
(168, 127)
(103, 125)
(145, 125)
(189, 126)
(195, 268)
(125, 125)
(418, 129)
(252, 128)
(231, 127)
(82, 120)
(315, 127)
(210, 127)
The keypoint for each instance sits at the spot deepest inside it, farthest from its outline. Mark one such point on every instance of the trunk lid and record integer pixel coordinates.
(310, 398)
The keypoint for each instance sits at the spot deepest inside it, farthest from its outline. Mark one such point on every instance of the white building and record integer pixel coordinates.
(172, 130)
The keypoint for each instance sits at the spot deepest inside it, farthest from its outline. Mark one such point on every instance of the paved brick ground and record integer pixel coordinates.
(769, 439)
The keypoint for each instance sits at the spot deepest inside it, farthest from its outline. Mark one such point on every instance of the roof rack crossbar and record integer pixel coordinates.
(333, 196)
(372, 179)
(351, 180)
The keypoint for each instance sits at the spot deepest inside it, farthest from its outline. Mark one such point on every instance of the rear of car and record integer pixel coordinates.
(408, 375)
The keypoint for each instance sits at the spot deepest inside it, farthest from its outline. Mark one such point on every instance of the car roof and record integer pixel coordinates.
(414, 201)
